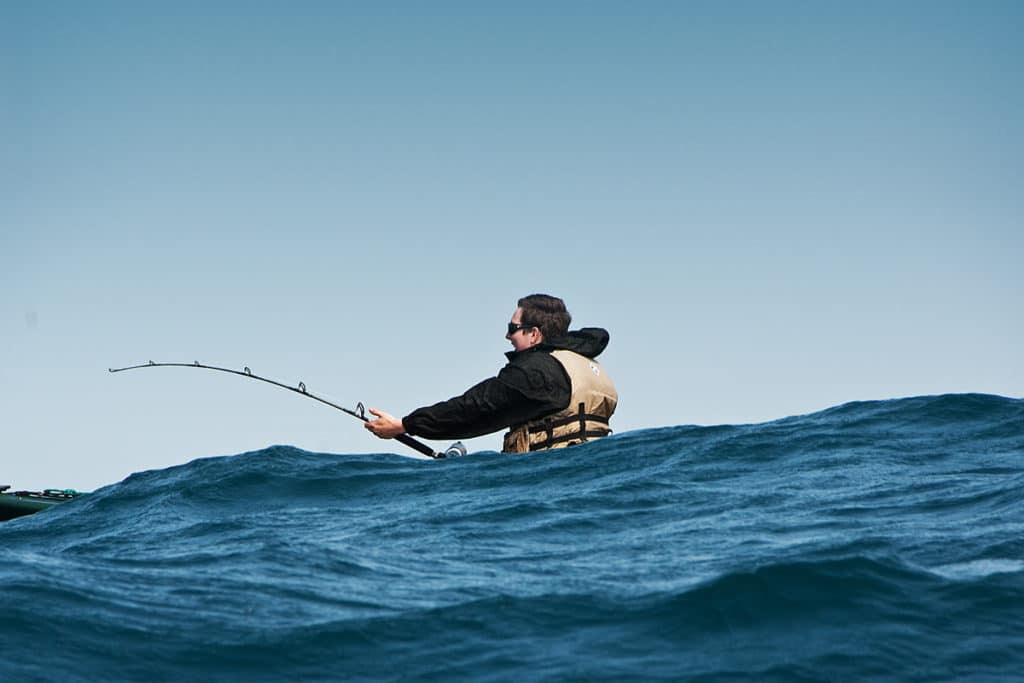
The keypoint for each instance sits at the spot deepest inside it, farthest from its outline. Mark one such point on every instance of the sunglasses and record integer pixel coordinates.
(515, 327)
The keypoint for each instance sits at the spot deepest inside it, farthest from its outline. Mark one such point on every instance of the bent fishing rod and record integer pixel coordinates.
(360, 412)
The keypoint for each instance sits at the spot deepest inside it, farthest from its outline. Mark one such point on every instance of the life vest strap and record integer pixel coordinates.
(579, 436)
(581, 418)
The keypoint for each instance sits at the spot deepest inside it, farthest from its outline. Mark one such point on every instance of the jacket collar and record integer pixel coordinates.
(588, 341)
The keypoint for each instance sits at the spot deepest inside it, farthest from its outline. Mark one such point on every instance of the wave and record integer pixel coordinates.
(874, 540)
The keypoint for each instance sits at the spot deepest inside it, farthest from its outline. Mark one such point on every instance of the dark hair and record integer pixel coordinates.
(546, 312)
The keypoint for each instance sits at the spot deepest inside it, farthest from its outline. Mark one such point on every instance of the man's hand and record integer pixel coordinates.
(386, 426)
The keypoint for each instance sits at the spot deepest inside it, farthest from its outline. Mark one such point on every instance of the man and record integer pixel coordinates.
(551, 394)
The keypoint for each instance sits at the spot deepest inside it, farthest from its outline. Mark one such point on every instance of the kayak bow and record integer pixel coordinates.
(21, 503)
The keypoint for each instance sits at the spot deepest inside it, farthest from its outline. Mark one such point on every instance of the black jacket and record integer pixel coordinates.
(532, 385)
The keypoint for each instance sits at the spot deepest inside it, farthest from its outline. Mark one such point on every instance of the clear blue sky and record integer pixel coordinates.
(773, 207)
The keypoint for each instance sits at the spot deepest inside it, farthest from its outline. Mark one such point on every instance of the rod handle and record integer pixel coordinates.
(418, 446)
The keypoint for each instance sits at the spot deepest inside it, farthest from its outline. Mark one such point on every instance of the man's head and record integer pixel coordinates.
(538, 317)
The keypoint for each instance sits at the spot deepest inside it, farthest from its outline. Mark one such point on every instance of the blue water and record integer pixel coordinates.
(872, 541)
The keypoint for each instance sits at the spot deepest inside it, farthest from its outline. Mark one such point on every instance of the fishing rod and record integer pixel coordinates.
(360, 412)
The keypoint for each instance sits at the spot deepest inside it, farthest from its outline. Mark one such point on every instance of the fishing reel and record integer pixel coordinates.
(456, 450)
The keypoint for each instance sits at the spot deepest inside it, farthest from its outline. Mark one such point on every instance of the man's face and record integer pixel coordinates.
(523, 338)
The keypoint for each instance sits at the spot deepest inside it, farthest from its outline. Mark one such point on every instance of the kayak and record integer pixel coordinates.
(21, 503)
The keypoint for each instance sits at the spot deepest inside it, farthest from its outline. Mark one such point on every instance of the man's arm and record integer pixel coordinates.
(522, 391)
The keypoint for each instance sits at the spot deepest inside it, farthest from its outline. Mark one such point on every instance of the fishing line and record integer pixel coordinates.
(359, 412)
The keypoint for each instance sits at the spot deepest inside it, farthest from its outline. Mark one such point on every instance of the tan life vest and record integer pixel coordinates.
(590, 407)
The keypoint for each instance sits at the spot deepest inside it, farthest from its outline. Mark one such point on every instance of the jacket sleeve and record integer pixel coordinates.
(520, 392)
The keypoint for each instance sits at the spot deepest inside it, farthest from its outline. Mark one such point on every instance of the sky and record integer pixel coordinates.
(774, 208)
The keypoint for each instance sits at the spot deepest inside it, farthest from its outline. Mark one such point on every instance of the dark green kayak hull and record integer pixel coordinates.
(21, 503)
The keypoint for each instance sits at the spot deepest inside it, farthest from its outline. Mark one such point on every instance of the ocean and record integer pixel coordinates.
(873, 541)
